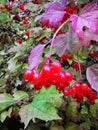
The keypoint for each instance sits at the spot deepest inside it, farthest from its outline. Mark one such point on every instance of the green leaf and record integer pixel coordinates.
(20, 95)
(83, 1)
(71, 109)
(3, 2)
(72, 126)
(13, 65)
(41, 107)
(4, 17)
(6, 100)
(93, 110)
(84, 110)
(3, 116)
(41, 103)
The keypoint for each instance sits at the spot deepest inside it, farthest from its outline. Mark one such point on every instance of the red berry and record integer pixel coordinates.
(75, 66)
(7, 7)
(36, 78)
(25, 22)
(21, 6)
(28, 75)
(56, 67)
(27, 34)
(19, 41)
(67, 92)
(37, 87)
(68, 76)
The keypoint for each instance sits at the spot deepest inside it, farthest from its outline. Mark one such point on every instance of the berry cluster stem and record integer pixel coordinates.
(54, 36)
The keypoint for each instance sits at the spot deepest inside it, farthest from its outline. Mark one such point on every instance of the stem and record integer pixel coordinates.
(80, 79)
(54, 36)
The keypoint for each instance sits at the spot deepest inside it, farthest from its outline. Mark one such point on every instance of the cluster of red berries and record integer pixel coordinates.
(94, 55)
(49, 75)
(75, 65)
(79, 91)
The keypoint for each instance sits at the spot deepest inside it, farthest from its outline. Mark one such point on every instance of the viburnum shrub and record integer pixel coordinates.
(49, 63)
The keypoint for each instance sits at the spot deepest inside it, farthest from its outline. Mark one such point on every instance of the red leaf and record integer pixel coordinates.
(88, 18)
(54, 15)
(92, 76)
(35, 56)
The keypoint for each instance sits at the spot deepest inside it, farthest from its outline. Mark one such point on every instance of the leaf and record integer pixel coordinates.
(54, 15)
(3, 2)
(88, 18)
(93, 110)
(41, 107)
(44, 109)
(35, 56)
(62, 43)
(92, 76)
(6, 100)
(85, 126)
(26, 114)
(71, 109)
(84, 110)
(4, 17)
(13, 65)
(3, 116)
(85, 37)
(64, 2)
(71, 126)
(32, 7)
(20, 95)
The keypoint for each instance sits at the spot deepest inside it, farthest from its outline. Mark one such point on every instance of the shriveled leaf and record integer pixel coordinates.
(6, 100)
(26, 114)
(3, 116)
(92, 76)
(88, 18)
(54, 15)
(20, 95)
(35, 56)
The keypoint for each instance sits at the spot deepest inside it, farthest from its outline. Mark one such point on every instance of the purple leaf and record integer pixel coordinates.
(88, 18)
(86, 36)
(35, 56)
(54, 15)
(64, 2)
(92, 76)
(62, 43)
